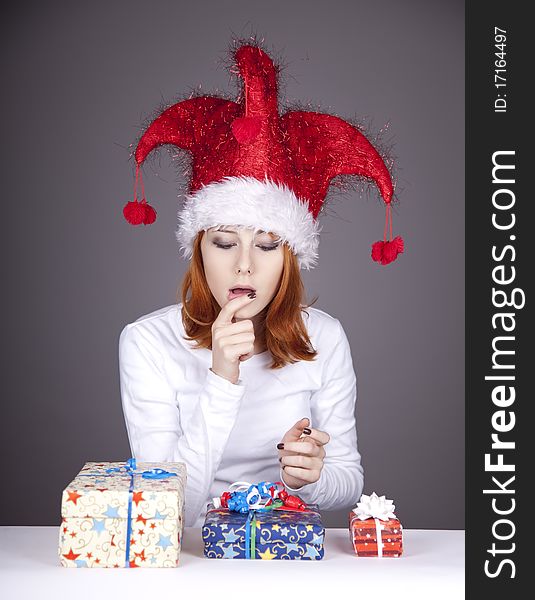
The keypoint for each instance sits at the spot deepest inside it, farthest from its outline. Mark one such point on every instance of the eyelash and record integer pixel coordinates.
(227, 246)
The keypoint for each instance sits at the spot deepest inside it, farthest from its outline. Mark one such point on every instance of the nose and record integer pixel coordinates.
(245, 258)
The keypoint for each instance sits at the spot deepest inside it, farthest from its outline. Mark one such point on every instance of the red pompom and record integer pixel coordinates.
(150, 214)
(134, 212)
(246, 129)
(377, 251)
(387, 252)
(139, 212)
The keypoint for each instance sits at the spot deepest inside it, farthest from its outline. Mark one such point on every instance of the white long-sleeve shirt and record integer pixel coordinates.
(177, 409)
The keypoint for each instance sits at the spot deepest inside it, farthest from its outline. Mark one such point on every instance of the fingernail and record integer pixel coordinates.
(280, 446)
(252, 295)
(307, 430)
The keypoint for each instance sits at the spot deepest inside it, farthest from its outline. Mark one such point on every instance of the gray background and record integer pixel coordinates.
(80, 79)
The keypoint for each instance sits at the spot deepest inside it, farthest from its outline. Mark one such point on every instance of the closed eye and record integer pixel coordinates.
(266, 248)
(224, 246)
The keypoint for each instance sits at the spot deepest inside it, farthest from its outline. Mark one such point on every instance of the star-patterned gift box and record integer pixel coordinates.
(123, 518)
(279, 534)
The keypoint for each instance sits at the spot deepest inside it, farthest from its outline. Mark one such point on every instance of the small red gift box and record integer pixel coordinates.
(374, 529)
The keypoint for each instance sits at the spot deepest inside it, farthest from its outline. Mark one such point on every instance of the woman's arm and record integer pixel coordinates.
(157, 431)
(333, 411)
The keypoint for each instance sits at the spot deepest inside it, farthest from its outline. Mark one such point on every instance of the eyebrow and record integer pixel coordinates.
(233, 231)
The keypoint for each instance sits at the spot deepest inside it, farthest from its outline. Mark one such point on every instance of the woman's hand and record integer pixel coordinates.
(301, 453)
(232, 342)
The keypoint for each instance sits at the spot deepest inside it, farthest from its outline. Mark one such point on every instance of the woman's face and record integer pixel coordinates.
(235, 256)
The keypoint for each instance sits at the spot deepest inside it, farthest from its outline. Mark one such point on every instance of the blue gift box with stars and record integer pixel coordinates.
(272, 535)
(119, 515)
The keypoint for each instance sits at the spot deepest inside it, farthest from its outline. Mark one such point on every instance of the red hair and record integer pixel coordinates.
(286, 335)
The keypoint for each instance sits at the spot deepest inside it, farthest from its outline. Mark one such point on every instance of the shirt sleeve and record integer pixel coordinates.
(156, 429)
(333, 410)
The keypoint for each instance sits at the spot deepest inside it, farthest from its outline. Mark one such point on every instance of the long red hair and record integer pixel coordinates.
(285, 332)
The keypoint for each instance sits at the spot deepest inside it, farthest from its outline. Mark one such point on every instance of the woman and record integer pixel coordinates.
(226, 412)
(244, 385)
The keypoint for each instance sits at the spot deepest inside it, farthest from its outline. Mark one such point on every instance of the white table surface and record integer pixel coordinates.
(432, 566)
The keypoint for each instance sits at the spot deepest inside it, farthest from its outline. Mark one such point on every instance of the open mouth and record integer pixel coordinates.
(239, 291)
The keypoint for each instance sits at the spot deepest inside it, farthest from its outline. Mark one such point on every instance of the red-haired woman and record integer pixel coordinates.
(242, 381)
(241, 385)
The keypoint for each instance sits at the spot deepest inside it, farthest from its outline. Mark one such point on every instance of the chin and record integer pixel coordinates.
(248, 311)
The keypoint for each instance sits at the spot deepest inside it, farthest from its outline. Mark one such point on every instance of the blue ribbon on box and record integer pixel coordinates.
(256, 498)
(130, 469)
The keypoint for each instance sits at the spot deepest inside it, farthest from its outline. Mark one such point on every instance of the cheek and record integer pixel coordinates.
(272, 268)
(215, 267)
(216, 259)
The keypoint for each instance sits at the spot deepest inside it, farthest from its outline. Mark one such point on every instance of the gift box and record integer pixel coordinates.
(374, 529)
(123, 515)
(276, 532)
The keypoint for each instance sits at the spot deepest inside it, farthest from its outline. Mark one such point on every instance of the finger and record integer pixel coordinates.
(321, 437)
(297, 430)
(235, 351)
(227, 312)
(303, 462)
(303, 474)
(321, 450)
(238, 338)
(227, 329)
(307, 448)
(241, 340)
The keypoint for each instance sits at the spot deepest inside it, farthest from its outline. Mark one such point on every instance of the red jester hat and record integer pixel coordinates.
(252, 167)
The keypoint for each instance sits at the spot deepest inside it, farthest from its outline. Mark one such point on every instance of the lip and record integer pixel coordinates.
(245, 287)
(232, 295)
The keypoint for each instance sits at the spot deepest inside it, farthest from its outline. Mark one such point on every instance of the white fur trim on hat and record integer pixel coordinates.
(249, 202)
